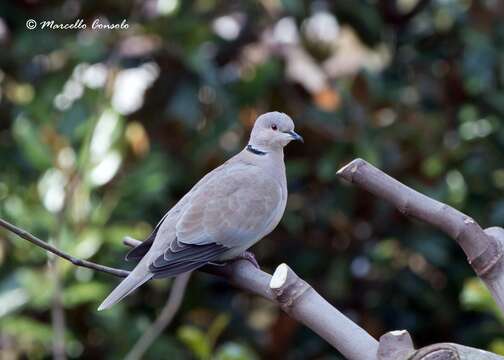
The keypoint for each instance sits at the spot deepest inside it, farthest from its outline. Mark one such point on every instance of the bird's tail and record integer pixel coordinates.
(138, 276)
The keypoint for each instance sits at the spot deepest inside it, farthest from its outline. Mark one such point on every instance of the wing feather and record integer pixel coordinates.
(232, 208)
(187, 258)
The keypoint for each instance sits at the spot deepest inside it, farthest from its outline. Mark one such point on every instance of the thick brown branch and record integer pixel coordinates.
(397, 345)
(484, 249)
(298, 299)
(459, 226)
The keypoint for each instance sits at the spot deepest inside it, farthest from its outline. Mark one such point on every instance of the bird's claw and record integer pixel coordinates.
(247, 255)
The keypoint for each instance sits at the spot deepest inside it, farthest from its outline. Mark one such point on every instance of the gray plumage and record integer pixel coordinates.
(225, 213)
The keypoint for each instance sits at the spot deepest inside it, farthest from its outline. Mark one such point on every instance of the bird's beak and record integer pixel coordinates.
(295, 136)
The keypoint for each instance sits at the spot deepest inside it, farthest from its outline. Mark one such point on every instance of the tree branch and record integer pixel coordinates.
(297, 298)
(397, 345)
(285, 288)
(483, 248)
(303, 303)
(44, 245)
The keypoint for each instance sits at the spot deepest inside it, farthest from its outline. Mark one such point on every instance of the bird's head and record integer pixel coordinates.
(272, 131)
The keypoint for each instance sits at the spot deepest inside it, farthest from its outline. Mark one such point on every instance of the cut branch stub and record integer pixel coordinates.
(287, 286)
(395, 345)
(129, 241)
(303, 303)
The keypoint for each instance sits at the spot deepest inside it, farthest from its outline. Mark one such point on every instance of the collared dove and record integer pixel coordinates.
(225, 213)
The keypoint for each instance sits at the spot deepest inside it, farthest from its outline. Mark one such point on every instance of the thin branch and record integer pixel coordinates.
(163, 320)
(57, 309)
(44, 245)
(172, 305)
(57, 314)
(483, 248)
(129, 241)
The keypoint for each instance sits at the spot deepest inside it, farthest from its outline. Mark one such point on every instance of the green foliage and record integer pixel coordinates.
(75, 295)
(31, 335)
(234, 351)
(196, 340)
(497, 346)
(102, 131)
(202, 344)
(475, 296)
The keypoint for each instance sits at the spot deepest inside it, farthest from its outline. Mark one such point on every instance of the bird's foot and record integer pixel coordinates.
(247, 255)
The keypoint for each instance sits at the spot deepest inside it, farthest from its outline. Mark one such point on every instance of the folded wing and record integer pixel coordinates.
(230, 211)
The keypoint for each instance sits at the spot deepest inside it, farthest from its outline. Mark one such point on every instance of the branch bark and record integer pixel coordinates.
(285, 288)
(303, 303)
(397, 345)
(298, 299)
(483, 248)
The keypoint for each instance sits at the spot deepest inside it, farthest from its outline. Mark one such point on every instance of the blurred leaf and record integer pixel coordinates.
(28, 137)
(200, 343)
(196, 340)
(78, 294)
(497, 346)
(88, 244)
(475, 296)
(38, 287)
(234, 351)
(217, 327)
(12, 296)
(28, 332)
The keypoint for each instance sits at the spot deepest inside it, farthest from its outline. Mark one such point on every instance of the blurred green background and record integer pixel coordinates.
(102, 131)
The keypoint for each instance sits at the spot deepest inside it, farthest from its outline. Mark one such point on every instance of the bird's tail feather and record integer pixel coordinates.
(126, 287)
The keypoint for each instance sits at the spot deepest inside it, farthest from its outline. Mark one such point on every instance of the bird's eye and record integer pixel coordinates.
(274, 127)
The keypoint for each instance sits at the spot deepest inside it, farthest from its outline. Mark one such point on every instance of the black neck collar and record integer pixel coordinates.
(255, 151)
